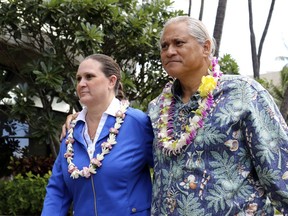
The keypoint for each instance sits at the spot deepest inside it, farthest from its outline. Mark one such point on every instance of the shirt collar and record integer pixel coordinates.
(113, 107)
(111, 110)
(177, 92)
(176, 89)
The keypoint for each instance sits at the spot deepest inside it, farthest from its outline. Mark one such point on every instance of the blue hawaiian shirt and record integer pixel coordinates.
(236, 165)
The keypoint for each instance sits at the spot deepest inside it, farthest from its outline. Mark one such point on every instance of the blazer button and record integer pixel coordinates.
(134, 209)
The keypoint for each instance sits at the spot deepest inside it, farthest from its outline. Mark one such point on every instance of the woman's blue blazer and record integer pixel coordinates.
(121, 186)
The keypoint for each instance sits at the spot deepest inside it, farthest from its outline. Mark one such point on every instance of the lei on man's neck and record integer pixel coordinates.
(105, 146)
(167, 142)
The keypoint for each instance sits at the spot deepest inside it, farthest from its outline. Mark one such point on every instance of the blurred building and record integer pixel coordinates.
(273, 76)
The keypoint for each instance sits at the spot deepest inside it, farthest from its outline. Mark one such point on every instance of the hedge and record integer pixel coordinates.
(23, 195)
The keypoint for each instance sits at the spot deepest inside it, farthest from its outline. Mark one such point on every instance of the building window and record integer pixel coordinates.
(15, 133)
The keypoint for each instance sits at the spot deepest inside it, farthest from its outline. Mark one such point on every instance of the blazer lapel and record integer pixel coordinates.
(78, 133)
(110, 121)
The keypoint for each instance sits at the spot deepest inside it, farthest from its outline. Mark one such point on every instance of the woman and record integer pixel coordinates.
(103, 163)
(221, 144)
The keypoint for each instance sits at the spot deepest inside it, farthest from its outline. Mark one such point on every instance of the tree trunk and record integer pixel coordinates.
(253, 42)
(201, 10)
(265, 31)
(54, 145)
(256, 57)
(219, 22)
(189, 8)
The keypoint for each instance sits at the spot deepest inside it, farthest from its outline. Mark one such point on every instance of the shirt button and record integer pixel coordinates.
(134, 209)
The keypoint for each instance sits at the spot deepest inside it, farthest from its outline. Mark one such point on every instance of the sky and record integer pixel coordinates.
(236, 34)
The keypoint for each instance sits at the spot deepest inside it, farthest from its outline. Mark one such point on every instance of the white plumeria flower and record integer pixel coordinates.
(161, 135)
(70, 148)
(166, 144)
(100, 157)
(92, 169)
(194, 120)
(86, 172)
(163, 131)
(112, 139)
(75, 174)
(164, 117)
(69, 160)
(119, 121)
(117, 125)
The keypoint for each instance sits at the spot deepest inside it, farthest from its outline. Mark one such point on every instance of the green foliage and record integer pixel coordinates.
(49, 76)
(228, 65)
(23, 195)
(284, 77)
(52, 36)
(275, 91)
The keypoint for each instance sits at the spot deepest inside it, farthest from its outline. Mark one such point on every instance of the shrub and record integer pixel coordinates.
(23, 195)
(34, 164)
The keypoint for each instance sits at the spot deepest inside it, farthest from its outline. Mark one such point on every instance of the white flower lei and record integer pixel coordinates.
(106, 146)
(167, 142)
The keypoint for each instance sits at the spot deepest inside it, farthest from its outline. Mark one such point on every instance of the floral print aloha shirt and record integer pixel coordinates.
(237, 163)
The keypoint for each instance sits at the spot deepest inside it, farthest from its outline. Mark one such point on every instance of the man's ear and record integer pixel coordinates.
(207, 47)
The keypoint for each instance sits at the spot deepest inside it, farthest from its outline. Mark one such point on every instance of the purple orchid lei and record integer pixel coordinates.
(167, 105)
(105, 146)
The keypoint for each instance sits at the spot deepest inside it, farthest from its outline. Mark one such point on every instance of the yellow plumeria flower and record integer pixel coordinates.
(208, 84)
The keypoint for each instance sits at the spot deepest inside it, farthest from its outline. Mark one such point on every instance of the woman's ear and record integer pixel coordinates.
(112, 81)
(207, 47)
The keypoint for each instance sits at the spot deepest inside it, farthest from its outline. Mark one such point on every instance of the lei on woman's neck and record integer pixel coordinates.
(105, 146)
(167, 142)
